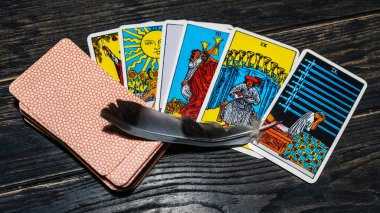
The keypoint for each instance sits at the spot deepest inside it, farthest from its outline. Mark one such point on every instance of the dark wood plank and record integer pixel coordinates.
(25, 154)
(49, 160)
(30, 28)
(351, 43)
(224, 181)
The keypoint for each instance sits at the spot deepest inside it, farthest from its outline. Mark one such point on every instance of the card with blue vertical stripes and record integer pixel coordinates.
(313, 109)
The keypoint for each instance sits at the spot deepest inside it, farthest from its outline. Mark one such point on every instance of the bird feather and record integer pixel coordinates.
(137, 120)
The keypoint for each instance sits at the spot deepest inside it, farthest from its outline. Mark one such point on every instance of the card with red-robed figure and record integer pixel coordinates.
(197, 61)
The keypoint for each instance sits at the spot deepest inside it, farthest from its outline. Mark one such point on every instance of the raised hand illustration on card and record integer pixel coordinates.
(105, 50)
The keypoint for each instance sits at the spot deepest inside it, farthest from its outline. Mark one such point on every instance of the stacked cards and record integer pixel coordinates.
(217, 73)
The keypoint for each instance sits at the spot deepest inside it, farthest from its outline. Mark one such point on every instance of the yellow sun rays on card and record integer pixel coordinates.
(147, 46)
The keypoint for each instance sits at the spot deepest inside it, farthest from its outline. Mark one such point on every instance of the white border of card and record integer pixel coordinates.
(89, 42)
(211, 26)
(209, 92)
(161, 71)
(261, 148)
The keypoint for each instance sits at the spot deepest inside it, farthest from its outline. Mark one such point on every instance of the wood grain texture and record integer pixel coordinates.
(30, 28)
(224, 180)
(37, 174)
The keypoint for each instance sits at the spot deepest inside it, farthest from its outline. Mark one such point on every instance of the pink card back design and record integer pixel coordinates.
(64, 92)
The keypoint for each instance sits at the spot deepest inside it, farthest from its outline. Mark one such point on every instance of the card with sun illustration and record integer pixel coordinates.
(140, 49)
(105, 50)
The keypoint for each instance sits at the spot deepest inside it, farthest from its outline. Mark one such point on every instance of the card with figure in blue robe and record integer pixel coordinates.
(252, 73)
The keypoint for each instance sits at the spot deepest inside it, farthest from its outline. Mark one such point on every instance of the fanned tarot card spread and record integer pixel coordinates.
(314, 107)
(252, 73)
(140, 50)
(197, 61)
(105, 49)
(212, 72)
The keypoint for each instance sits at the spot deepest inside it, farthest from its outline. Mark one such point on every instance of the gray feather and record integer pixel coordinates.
(137, 120)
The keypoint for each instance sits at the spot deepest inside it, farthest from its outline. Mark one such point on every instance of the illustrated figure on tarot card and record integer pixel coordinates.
(297, 142)
(115, 60)
(198, 82)
(239, 111)
(306, 123)
(194, 63)
(309, 121)
(104, 48)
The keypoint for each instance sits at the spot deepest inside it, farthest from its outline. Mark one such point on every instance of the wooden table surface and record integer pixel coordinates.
(38, 174)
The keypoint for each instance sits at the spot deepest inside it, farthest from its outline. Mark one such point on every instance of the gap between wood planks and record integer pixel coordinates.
(15, 190)
(42, 181)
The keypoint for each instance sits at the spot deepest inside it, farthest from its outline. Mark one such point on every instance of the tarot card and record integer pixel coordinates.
(252, 73)
(197, 61)
(172, 31)
(105, 50)
(141, 47)
(313, 107)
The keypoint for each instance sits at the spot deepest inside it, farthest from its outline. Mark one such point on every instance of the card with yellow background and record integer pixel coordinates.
(141, 50)
(105, 49)
(253, 71)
